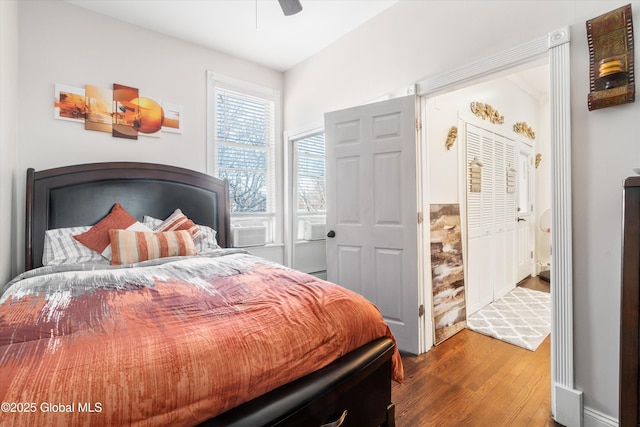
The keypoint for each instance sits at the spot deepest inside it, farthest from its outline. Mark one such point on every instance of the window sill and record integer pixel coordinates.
(267, 245)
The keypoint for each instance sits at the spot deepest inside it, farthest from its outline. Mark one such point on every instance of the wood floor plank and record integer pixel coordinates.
(473, 380)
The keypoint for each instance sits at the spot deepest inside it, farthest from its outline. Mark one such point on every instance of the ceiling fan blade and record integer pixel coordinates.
(290, 7)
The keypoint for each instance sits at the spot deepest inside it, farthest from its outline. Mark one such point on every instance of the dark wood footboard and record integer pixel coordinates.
(355, 390)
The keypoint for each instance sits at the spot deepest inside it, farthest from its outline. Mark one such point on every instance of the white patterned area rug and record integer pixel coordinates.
(522, 317)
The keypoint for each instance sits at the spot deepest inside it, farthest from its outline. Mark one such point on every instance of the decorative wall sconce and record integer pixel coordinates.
(611, 59)
(538, 159)
(451, 137)
(487, 112)
(524, 129)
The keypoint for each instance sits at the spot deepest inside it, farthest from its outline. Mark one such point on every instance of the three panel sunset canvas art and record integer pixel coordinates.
(120, 111)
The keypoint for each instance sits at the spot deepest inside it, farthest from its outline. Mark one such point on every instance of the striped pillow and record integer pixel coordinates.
(206, 243)
(128, 247)
(179, 221)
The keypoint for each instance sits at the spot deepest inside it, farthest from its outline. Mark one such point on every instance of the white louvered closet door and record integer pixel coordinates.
(480, 245)
(511, 216)
(490, 219)
(504, 217)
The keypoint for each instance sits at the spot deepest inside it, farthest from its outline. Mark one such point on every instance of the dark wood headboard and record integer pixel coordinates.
(84, 194)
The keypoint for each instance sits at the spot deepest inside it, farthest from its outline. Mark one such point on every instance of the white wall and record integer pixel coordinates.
(8, 134)
(414, 40)
(62, 43)
(408, 43)
(444, 111)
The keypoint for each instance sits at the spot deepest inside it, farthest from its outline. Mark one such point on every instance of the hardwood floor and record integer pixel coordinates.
(474, 380)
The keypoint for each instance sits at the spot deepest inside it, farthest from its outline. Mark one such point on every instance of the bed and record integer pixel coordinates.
(189, 337)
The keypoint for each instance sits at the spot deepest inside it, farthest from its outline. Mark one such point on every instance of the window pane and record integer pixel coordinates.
(242, 119)
(312, 145)
(241, 158)
(247, 190)
(311, 166)
(311, 194)
(244, 141)
(311, 174)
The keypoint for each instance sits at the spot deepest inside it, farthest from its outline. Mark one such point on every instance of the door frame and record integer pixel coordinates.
(290, 214)
(566, 401)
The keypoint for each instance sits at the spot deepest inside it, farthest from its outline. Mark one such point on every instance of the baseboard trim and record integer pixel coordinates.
(593, 418)
(571, 412)
(568, 406)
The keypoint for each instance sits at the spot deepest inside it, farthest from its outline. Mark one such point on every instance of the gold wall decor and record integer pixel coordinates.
(611, 59)
(451, 137)
(487, 112)
(524, 129)
(538, 159)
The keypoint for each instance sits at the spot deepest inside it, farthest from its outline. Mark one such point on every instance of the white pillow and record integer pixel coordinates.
(151, 222)
(61, 248)
(208, 240)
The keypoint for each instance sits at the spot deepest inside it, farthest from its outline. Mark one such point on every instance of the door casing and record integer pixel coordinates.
(566, 401)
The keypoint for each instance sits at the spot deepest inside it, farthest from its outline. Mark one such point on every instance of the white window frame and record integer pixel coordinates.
(273, 217)
(291, 217)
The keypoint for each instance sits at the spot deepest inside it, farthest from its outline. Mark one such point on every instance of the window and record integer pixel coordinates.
(242, 129)
(310, 187)
(244, 144)
(311, 193)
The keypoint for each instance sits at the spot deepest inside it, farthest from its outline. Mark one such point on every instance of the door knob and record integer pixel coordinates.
(331, 233)
(521, 219)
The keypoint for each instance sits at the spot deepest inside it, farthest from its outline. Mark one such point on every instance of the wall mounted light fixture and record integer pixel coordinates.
(611, 59)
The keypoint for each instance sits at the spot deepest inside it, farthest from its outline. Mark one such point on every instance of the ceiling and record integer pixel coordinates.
(255, 30)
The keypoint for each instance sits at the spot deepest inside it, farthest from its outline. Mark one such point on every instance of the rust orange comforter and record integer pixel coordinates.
(167, 342)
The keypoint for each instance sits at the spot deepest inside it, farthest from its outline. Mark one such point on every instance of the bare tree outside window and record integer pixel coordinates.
(243, 134)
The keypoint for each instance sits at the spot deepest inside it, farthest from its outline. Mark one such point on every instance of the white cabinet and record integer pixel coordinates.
(491, 215)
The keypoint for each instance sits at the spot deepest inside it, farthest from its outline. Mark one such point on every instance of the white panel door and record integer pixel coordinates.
(372, 210)
(524, 227)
